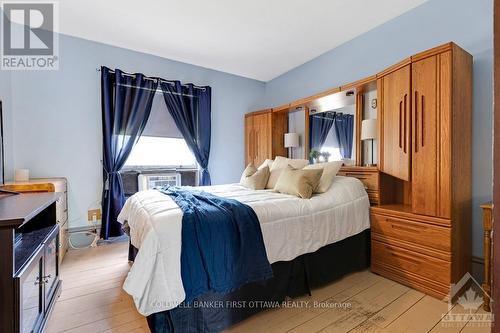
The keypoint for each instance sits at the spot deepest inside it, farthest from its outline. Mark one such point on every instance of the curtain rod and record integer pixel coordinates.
(333, 113)
(156, 91)
(156, 79)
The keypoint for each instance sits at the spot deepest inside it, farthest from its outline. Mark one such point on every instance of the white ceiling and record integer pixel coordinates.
(259, 39)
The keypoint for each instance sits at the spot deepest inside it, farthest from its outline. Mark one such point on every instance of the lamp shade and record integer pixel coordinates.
(369, 129)
(291, 140)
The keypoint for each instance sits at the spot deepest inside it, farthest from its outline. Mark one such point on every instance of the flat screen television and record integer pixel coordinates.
(2, 156)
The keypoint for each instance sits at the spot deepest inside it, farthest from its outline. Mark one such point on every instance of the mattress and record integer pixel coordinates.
(290, 227)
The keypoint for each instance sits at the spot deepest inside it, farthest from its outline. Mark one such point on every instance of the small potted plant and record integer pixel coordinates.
(326, 155)
(314, 155)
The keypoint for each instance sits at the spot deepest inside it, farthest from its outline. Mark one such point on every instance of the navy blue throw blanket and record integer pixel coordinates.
(222, 246)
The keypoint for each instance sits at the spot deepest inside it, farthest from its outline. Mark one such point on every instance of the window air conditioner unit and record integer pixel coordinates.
(150, 181)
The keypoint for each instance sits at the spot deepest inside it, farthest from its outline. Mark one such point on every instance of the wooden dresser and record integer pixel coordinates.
(421, 231)
(38, 185)
(369, 176)
(29, 268)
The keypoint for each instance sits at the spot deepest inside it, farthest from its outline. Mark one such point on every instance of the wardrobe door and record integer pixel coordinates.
(424, 92)
(262, 138)
(249, 141)
(431, 166)
(394, 119)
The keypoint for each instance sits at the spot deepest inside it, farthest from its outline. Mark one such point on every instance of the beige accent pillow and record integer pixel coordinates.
(255, 179)
(280, 163)
(298, 182)
(330, 170)
(267, 163)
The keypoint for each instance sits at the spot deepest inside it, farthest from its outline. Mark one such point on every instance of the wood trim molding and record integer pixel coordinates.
(282, 108)
(496, 161)
(435, 50)
(359, 84)
(254, 113)
(394, 67)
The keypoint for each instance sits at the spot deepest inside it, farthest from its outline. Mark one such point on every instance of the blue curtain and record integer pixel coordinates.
(319, 127)
(126, 104)
(190, 106)
(344, 126)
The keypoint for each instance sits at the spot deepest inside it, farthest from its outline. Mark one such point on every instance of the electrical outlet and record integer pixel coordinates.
(94, 214)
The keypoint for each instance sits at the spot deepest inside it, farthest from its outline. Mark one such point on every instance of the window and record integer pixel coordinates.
(161, 143)
(332, 146)
(334, 153)
(153, 151)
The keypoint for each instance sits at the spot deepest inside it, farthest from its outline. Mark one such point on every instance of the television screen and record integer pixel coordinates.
(2, 171)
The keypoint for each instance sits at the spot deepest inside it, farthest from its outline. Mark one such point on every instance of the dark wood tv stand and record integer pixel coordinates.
(29, 269)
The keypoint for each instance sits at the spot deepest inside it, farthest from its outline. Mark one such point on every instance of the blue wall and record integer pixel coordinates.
(56, 116)
(468, 23)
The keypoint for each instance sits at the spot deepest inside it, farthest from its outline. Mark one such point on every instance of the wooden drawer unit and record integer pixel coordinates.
(416, 232)
(369, 176)
(415, 250)
(431, 268)
(29, 269)
(39, 185)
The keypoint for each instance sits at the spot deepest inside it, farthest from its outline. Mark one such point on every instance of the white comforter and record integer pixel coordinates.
(290, 227)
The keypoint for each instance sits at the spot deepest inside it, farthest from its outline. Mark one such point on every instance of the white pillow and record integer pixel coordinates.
(330, 170)
(299, 182)
(280, 163)
(255, 179)
(267, 163)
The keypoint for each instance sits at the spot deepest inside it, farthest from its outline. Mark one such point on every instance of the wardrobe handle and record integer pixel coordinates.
(404, 124)
(422, 107)
(400, 119)
(255, 147)
(249, 143)
(252, 144)
(256, 137)
(416, 122)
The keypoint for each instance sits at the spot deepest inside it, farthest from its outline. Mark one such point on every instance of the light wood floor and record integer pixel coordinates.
(92, 300)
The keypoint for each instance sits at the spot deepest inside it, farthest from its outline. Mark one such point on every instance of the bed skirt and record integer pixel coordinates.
(216, 312)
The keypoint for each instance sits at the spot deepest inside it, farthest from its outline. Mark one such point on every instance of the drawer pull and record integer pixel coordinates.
(409, 228)
(359, 174)
(404, 257)
(405, 228)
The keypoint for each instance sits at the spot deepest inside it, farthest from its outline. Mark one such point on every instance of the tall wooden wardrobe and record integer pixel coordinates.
(264, 135)
(421, 231)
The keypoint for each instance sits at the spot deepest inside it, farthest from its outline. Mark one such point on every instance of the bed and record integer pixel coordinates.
(306, 242)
